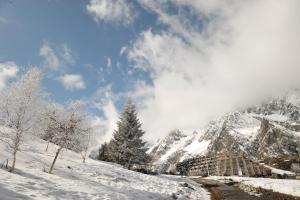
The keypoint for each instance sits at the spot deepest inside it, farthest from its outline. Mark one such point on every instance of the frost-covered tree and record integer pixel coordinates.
(127, 147)
(49, 114)
(20, 109)
(66, 128)
(88, 140)
(85, 145)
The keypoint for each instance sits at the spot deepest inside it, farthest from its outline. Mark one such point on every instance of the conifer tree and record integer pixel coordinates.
(104, 152)
(127, 147)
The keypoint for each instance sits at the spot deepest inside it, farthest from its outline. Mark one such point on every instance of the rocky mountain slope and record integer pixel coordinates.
(267, 130)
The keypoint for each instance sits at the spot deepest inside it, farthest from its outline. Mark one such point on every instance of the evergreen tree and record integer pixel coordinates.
(104, 152)
(127, 147)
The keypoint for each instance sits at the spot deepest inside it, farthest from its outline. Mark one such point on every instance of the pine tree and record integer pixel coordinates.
(104, 152)
(127, 147)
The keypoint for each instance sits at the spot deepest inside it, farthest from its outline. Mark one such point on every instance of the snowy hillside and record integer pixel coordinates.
(267, 130)
(73, 179)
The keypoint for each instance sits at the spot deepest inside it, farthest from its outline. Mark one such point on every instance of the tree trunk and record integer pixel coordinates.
(83, 156)
(129, 164)
(55, 158)
(14, 161)
(47, 146)
(15, 148)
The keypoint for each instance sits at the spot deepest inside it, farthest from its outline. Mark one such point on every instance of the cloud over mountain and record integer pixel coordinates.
(214, 56)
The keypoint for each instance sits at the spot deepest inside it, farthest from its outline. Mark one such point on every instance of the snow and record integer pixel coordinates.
(5, 129)
(245, 126)
(168, 154)
(297, 134)
(284, 186)
(248, 132)
(197, 147)
(151, 148)
(293, 97)
(177, 145)
(280, 171)
(90, 180)
(194, 148)
(277, 117)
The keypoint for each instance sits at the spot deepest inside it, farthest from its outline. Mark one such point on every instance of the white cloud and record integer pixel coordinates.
(67, 55)
(72, 81)
(109, 121)
(7, 70)
(117, 11)
(245, 51)
(51, 59)
(56, 58)
(123, 50)
(104, 100)
(108, 62)
(108, 65)
(99, 126)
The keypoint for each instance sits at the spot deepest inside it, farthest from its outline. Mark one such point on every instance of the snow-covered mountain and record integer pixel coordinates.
(266, 130)
(175, 147)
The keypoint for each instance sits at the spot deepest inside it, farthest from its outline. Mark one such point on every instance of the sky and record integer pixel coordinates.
(183, 62)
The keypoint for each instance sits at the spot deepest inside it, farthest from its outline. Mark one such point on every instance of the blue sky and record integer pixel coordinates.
(183, 62)
(94, 47)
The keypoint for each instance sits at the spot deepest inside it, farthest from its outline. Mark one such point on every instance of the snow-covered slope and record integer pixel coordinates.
(73, 179)
(267, 130)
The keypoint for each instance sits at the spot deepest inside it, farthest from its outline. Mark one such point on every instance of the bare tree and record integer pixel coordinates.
(50, 118)
(19, 110)
(85, 144)
(66, 127)
(88, 140)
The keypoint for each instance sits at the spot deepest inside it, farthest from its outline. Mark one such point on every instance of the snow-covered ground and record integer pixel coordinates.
(277, 117)
(284, 186)
(90, 180)
(280, 171)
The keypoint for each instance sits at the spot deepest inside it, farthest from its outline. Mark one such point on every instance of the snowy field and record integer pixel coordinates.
(284, 186)
(92, 180)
